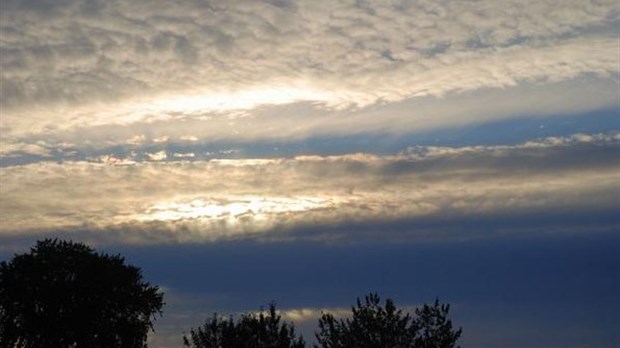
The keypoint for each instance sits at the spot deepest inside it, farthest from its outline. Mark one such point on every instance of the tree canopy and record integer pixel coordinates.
(252, 330)
(64, 294)
(371, 325)
(374, 325)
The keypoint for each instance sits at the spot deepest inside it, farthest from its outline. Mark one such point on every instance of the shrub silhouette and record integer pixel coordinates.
(250, 331)
(373, 325)
(64, 294)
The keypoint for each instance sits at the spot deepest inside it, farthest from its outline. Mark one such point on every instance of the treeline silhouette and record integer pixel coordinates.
(64, 294)
(371, 325)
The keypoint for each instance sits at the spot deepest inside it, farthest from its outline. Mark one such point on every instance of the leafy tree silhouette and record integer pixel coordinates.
(64, 294)
(262, 330)
(373, 325)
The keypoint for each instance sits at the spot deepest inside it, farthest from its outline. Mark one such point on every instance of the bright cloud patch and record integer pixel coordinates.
(229, 207)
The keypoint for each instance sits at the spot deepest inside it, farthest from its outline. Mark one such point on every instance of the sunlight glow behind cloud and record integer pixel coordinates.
(240, 100)
(229, 207)
(318, 126)
(210, 200)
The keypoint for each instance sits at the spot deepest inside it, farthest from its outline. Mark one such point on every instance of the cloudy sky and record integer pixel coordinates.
(308, 152)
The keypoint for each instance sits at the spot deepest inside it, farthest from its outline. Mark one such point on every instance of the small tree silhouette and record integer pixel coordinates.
(433, 328)
(373, 325)
(64, 294)
(262, 330)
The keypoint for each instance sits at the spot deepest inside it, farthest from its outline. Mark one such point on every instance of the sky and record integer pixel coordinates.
(310, 152)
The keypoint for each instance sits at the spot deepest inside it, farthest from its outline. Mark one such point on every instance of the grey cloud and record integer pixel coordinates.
(186, 201)
(97, 130)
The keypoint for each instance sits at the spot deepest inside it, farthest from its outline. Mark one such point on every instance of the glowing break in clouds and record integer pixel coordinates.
(230, 207)
(189, 201)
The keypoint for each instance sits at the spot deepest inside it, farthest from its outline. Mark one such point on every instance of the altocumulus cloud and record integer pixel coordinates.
(127, 123)
(73, 65)
(317, 197)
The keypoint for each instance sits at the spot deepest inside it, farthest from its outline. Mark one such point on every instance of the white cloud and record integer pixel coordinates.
(188, 138)
(14, 148)
(184, 155)
(112, 160)
(152, 202)
(312, 314)
(72, 66)
(157, 156)
(304, 121)
(136, 140)
(302, 315)
(161, 139)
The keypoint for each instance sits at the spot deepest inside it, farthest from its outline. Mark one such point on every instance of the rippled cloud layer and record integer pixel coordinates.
(313, 197)
(216, 69)
(463, 148)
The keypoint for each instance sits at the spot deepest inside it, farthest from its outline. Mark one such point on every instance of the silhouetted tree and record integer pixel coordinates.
(434, 329)
(262, 330)
(64, 294)
(373, 325)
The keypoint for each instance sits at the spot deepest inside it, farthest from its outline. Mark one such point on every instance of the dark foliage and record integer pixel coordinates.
(64, 294)
(434, 329)
(262, 330)
(373, 325)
